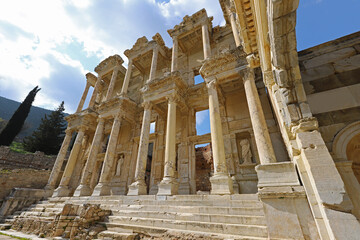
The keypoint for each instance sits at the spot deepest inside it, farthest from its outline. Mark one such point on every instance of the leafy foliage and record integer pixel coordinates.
(13, 127)
(49, 135)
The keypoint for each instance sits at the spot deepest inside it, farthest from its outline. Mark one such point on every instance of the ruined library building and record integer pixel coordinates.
(283, 160)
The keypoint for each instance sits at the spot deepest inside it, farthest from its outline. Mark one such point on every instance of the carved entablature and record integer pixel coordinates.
(120, 105)
(85, 118)
(168, 82)
(190, 23)
(109, 64)
(225, 64)
(91, 78)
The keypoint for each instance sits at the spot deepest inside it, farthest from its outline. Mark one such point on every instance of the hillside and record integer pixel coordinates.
(8, 107)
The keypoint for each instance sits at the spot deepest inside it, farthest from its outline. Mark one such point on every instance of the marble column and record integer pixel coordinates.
(169, 184)
(125, 85)
(261, 132)
(63, 189)
(234, 29)
(139, 186)
(83, 97)
(103, 187)
(95, 92)
(154, 64)
(59, 161)
(206, 40)
(84, 188)
(112, 83)
(221, 182)
(175, 52)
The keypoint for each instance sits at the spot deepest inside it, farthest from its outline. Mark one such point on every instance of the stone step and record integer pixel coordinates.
(257, 211)
(233, 229)
(116, 235)
(161, 231)
(215, 218)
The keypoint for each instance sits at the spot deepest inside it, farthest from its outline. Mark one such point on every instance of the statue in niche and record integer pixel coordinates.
(246, 151)
(120, 161)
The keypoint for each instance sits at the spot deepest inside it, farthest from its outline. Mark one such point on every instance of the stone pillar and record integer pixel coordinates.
(125, 85)
(169, 185)
(262, 136)
(139, 186)
(63, 189)
(103, 187)
(221, 182)
(95, 92)
(234, 29)
(112, 83)
(83, 97)
(154, 64)
(59, 161)
(175, 52)
(206, 41)
(84, 188)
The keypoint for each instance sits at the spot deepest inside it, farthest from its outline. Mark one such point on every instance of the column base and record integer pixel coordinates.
(236, 187)
(82, 190)
(102, 189)
(221, 184)
(168, 187)
(48, 191)
(184, 188)
(137, 188)
(61, 191)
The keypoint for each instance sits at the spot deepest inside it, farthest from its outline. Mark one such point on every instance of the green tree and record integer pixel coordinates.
(50, 133)
(16, 122)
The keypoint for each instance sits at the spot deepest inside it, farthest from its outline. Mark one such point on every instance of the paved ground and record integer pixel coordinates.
(2, 237)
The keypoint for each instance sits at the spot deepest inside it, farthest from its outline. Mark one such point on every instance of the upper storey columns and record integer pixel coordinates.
(261, 132)
(206, 40)
(83, 97)
(154, 64)
(175, 53)
(112, 83)
(95, 92)
(125, 86)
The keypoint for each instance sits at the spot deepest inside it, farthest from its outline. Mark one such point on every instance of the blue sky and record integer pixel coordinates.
(54, 43)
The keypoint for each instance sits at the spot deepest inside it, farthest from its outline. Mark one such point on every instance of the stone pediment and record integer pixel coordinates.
(109, 63)
(190, 22)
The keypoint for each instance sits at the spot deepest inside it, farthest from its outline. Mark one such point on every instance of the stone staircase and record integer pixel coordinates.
(237, 216)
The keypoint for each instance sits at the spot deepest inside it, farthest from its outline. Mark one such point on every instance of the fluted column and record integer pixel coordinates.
(234, 29)
(261, 132)
(83, 97)
(103, 187)
(112, 83)
(125, 85)
(139, 186)
(154, 64)
(175, 52)
(59, 161)
(221, 182)
(206, 41)
(84, 188)
(169, 185)
(63, 189)
(95, 92)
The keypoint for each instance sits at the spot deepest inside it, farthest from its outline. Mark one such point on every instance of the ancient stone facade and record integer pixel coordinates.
(276, 129)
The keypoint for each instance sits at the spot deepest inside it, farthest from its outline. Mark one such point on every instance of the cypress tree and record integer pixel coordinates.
(50, 133)
(13, 127)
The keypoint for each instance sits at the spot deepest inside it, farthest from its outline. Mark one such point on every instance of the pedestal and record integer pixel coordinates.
(137, 188)
(221, 184)
(102, 189)
(82, 190)
(61, 191)
(168, 187)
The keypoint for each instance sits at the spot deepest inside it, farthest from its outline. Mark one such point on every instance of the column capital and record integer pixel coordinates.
(174, 97)
(247, 74)
(82, 128)
(101, 120)
(211, 82)
(69, 131)
(147, 105)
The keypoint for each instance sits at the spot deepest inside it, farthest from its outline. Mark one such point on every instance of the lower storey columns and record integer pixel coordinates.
(262, 136)
(103, 187)
(139, 186)
(169, 184)
(221, 182)
(84, 188)
(63, 189)
(59, 161)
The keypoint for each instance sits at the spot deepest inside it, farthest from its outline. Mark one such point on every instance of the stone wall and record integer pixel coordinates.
(14, 160)
(21, 178)
(204, 168)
